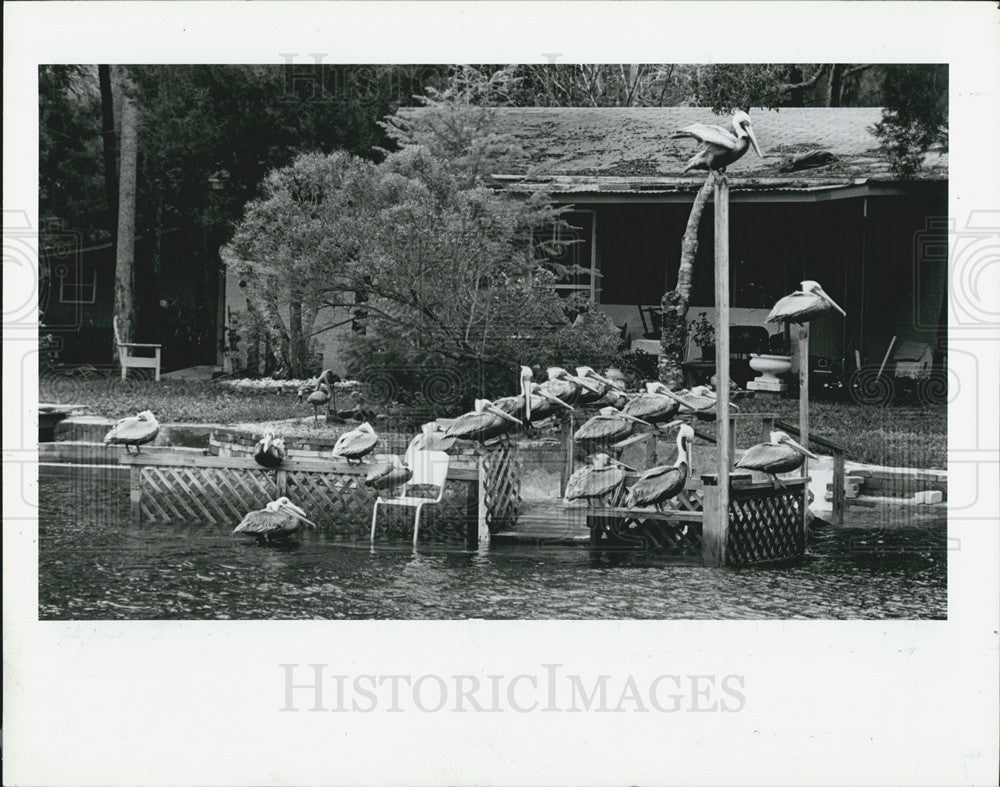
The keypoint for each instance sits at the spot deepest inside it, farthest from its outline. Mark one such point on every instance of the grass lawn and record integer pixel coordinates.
(895, 436)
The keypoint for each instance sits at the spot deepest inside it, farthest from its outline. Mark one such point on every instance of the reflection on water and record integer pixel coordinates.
(94, 565)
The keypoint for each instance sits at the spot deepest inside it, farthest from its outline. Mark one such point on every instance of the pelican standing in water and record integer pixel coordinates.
(270, 451)
(533, 403)
(720, 146)
(659, 484)
(135, 430)
(608, 424)
(483, 423)
(595, 481)
(389, 472)
(781, 455)
(804, 305)
(356, 443)
(276, 522)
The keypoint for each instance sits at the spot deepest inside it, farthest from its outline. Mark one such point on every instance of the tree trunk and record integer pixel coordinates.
(836, 85)
(125, 252)
(673, 338)
(108, 139)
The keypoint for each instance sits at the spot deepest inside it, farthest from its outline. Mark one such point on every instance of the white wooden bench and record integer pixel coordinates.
(127, 359)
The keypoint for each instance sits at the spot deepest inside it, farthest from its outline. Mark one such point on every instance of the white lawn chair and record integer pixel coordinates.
(128, 360)
(429, 467)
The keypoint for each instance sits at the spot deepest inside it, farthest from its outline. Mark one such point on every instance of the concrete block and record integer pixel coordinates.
(928, 497)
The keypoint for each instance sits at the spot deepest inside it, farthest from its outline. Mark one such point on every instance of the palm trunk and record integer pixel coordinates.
(673, 338)
(125, 250)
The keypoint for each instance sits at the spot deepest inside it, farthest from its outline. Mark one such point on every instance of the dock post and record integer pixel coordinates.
(566, 425)
(281, 482)
(838, 496)
(484, 527)
(724, 437)
(135, 493)
(714, 524)
(804, 392)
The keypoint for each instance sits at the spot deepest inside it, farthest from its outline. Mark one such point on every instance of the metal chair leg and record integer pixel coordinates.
(375, 517)
(416, 523)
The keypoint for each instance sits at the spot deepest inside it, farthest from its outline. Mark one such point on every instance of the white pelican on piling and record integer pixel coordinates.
(388, 473)
(356, 443)
(608, 424)
(720, 146)
(594, 481)
(781, 455)
(270, 451)
(135, 430)
(656, 406)
(483, 423)
(659, 484)
(277, 521)
(604, 385)
(804, 305)
(533, 403)
(565, 386)
(431, 438)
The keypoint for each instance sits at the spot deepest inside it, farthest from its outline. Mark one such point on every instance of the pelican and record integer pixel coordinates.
(135, 430)
(604, 385)
(565, 386)
(276, 521)
(700, 401)
(592, 482)
(388, 473)
(781, 455)
(720, 146)
(431, 438)
(608, 424)
(319, 397)
(270, 451)
(658, 405)
(356, 443)
(533, 403)
(804, 305)
(483, 423)
(659, 484)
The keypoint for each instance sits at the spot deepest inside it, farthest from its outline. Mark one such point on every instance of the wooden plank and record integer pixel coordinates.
(645, 513)
(723, 435)
(804, 391)
(714, 528)
(135, 494)
(838, 488)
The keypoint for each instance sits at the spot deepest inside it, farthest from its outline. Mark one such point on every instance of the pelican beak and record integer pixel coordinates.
(608, 382)
(502, 414)
(585, 383)
(295, 510)
(636, 420)
(675, 397)
(753, 141)
(546, 395)
(822, 294)
(526, 393)
(672, 424)
(624, 466)
(267, 442)
(800, 448)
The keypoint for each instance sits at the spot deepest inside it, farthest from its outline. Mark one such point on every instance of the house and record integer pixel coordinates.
(821, 205)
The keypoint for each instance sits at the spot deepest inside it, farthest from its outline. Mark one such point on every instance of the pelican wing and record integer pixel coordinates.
(264, 522)
(132, 430)
(711, 135)
(593, 482)
(432, 442)
(354, 444)
(798, 307)
(469, 425)
(602, 428)
(386, 475)
(651, 407)
(656, 486)
(513, 405)
(770, 458)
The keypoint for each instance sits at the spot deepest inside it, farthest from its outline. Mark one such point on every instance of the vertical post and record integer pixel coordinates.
(804, 391)
(484, 527)
(281, 482)
(714, 524)
(135, 493)
(767, 426)
(566, 424)
(724, 437)
(838, 488)
(651, 449)
(732, 440)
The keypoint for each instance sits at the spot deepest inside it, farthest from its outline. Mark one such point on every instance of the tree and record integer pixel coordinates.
(915, 117)
(125, 245)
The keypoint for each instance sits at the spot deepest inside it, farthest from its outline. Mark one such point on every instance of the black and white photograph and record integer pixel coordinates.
(557, 353)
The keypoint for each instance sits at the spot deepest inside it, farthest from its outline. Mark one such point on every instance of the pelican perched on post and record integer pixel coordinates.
(781, 455)
(483, 423)
(356, 443)
(608, 424)
(700, 401)
(135, 430)
(804, 305)
(656, 406)
(533, 403)
(720, 146)
(603, 384)
(270, 451)
(565, 386)
(431, 438)
(594, 481)
(277, 521)
(389, 472)
(659, 484)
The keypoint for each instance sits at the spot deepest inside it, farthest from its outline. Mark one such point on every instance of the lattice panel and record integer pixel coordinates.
(448, 521)
(196, 495)
(502, 468)
(663, 537)
(765, 525)
(336, 502)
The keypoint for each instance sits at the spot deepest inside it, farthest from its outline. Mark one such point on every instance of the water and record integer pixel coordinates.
(94, 565)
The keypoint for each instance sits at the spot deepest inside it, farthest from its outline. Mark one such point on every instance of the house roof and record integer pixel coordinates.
(580, 149)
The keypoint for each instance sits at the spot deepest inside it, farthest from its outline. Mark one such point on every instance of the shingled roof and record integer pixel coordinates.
(578, 149)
